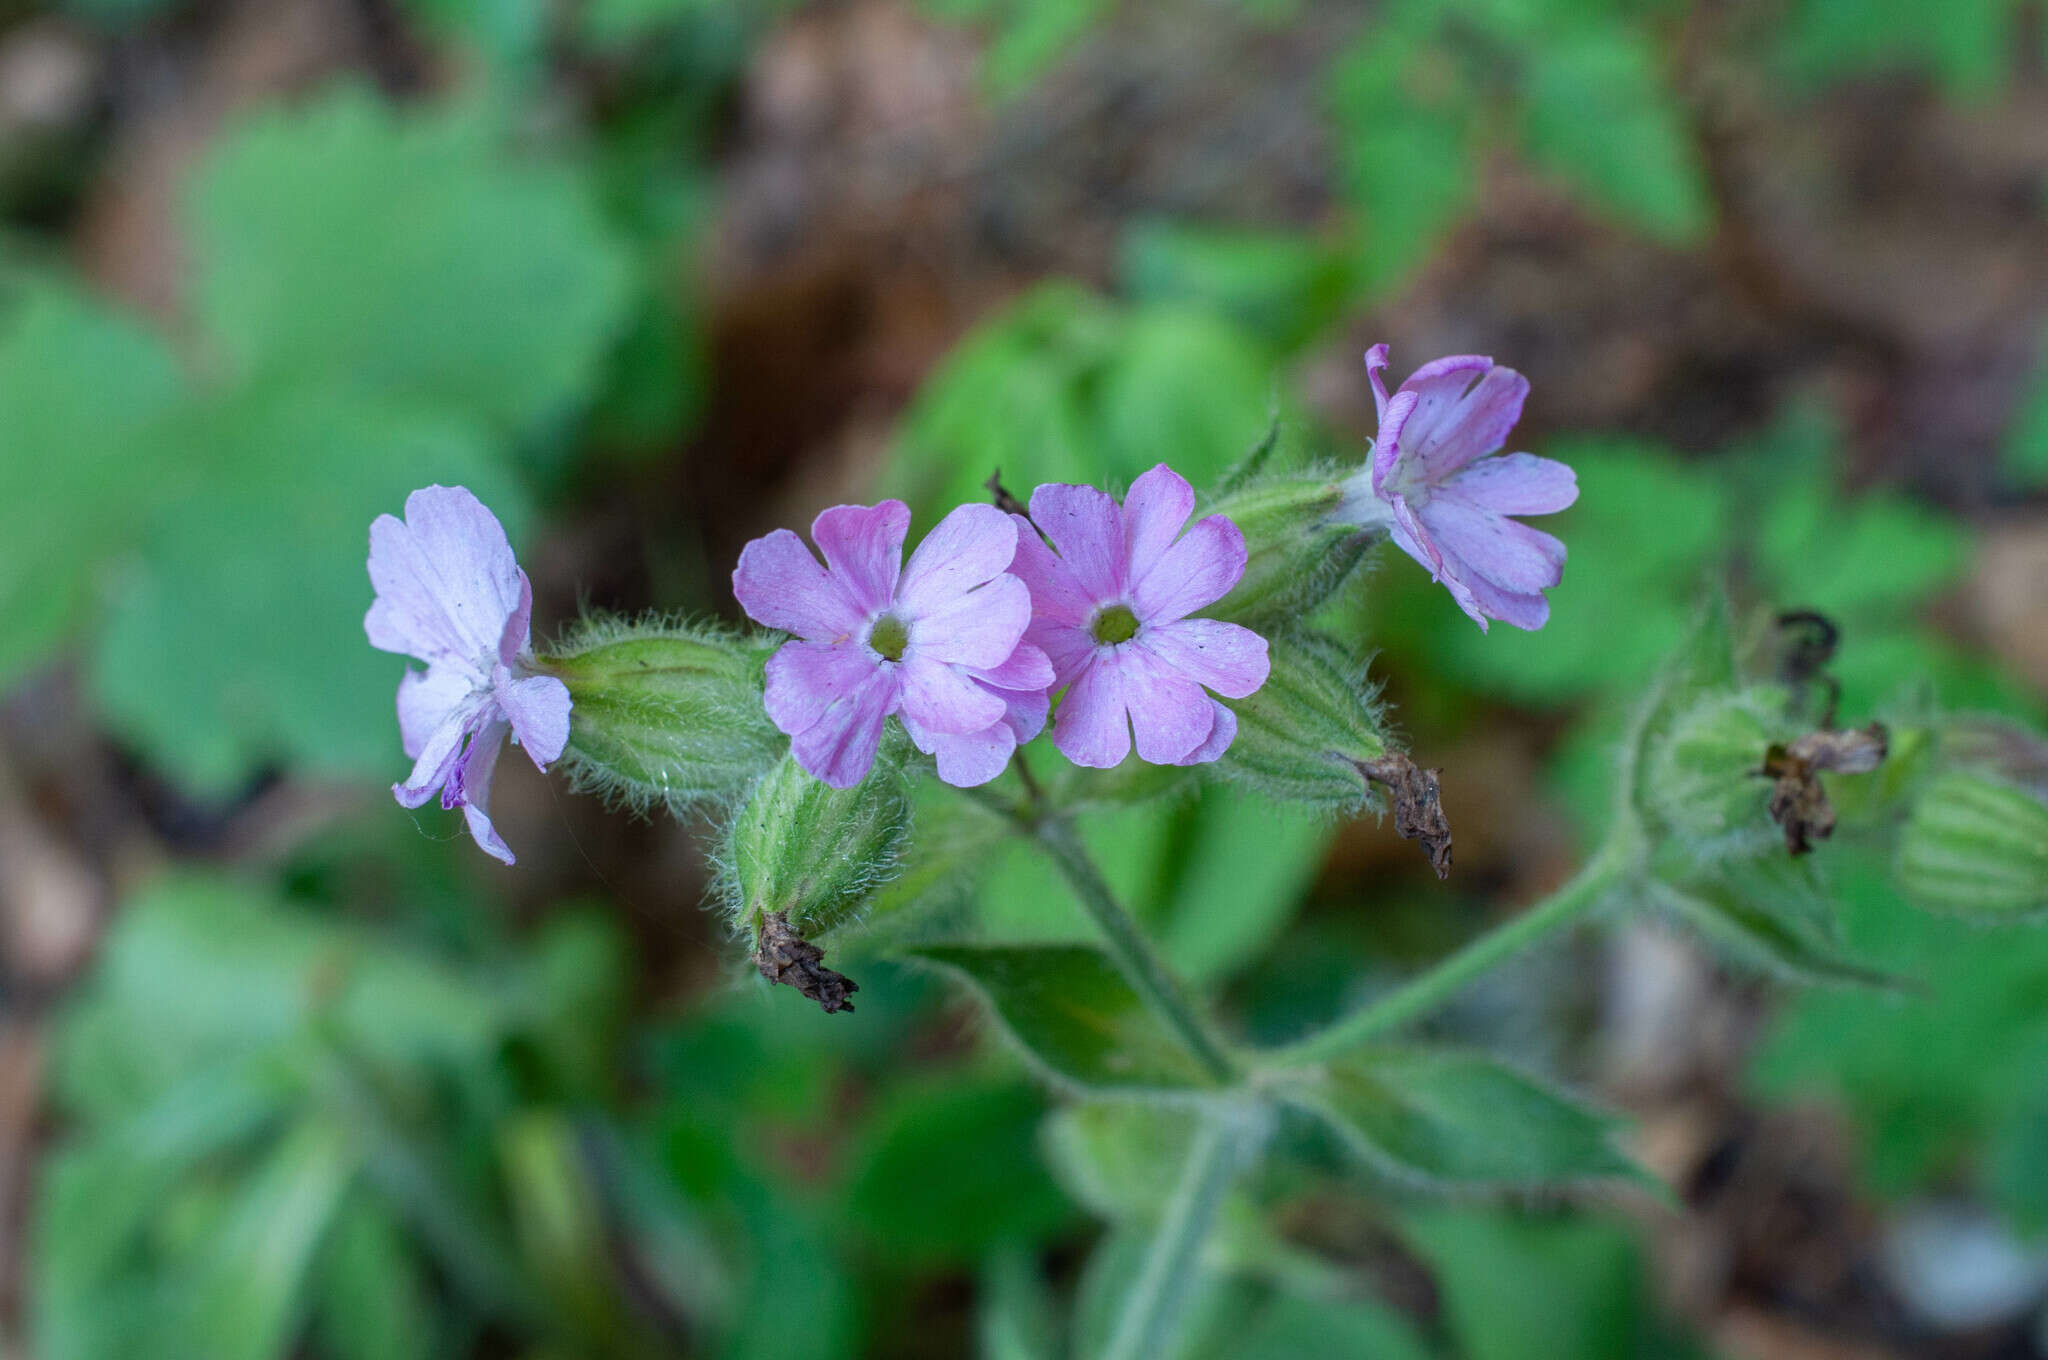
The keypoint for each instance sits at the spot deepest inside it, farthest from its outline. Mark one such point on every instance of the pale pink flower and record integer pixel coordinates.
(1435, 484)
(936, 641)
(1111, 611)
(449, 593)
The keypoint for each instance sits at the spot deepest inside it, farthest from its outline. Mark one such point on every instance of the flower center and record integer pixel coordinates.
(1113, 624)
(889, 636)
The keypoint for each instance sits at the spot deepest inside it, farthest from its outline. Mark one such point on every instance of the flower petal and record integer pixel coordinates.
(980, 628)
(445, 578)
(1170, 714)
(1386, 450)
(428, 700)
(1221, 656)
(1155, 508)
(941, 698)
(437, 758)
(1024, 712)
(1056, 592)
(781, 585)
(1087, 529)
(1506, 552)
(1091, 728)
(479, 771)
(966, 759)
(965, 549)
(518, 629)
(840, 747)
(1199, 570)
(1220, 737)
(807, 678)
(538, 709)
(1456, 419)
(1067, 647)
(1027, 668)
(863, 547)
(1376, 362)
(1515, 484)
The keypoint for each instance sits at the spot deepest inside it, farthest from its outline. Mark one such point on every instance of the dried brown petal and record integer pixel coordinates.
(786, 957)
(1799, 805)
(1418, 805)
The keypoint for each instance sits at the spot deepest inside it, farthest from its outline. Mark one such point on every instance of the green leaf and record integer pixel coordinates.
(1064, 386)
(1291, 1327)
(370, 1300)
(1600, 115)
(1282, 286)
(1073, 1016)
(1771, 915)
(1018, 1318)
(352, 242)
(947, 1171)
(248, 1294)
(1034, 35)
(82, 392)
(1514, 1287)
(1452, 1120)
(1121, 1159)
(1406, 120)
(1967, 44)
(2026, 441)
(237, 642)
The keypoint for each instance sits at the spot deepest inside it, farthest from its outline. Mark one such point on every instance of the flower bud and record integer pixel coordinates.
(1975, 846)
(1297, 555)
(1306, 733)
(800, 848)
(1700, 779)
(666, 716)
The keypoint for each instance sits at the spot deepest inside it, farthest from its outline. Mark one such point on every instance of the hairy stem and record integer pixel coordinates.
(1132, 952)
(1152, 1309)
(1420, 995)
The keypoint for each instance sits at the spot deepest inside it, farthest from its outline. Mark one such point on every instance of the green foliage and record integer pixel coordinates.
(1967, 45)
(235, 640)
(2026, 439)
(949, 1171)
(1073, 1017)
(81, 392)
(1064, 386)
(1515, 1286)
(1932, 1083)
(346, 243)
(1601, 118)
(1280, 286)
(1025, 36)
(256, 1096)
(1450, 1120)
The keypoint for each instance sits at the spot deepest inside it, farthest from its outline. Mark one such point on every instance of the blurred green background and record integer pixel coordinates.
(287, 1071)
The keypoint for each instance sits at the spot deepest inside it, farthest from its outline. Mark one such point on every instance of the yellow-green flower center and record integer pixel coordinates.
(889, 636)
(1114, 624)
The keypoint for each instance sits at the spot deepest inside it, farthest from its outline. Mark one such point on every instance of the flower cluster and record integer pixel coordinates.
(969, 641)
(1081, 614)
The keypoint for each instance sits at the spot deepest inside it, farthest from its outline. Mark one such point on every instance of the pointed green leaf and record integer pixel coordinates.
(1454, 1120)
(1073, 1015)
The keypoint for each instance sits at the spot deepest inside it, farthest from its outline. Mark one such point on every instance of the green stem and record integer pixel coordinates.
(1133, 954)
(1420, 995)
(1153, 1308)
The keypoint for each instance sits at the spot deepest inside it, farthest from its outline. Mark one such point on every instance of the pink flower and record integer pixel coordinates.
(450, 594)
(1111, 610)
(936, 640)
(1433, 484)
